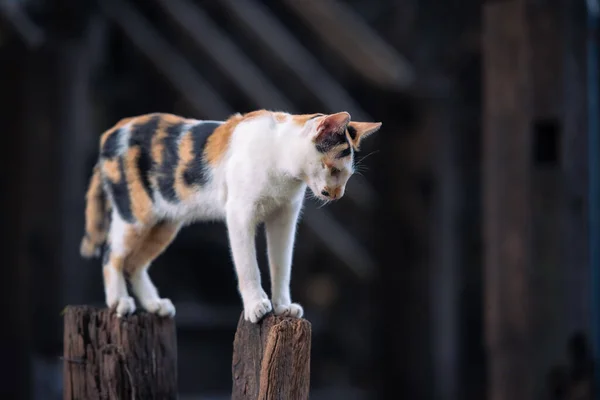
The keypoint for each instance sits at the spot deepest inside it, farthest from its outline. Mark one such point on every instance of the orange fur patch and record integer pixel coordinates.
(157, 143)
(218, 142)
(166, 120)
(141, 119)
(110, 168)
(330, 157)
(115, 261)
(256, 114)
(132, 238)
(140, 246)
(280, 117)
(302, 119)
(363, 130)
(94, 214)
(141, 204)
(150, 245)
(106, 274)
(186, 155)
(277, 116)
(335, 192)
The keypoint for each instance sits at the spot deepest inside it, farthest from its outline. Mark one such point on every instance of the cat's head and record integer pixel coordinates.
(334, 140)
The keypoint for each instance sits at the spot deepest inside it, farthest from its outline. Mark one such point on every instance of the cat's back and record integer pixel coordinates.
(140, 131)
(154, 160)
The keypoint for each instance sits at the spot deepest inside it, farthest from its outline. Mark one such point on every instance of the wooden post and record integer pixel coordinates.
(574, 159)
(271, 359)
(507, 200)
(110, 358)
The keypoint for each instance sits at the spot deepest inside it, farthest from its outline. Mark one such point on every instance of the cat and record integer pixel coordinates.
(158, 172)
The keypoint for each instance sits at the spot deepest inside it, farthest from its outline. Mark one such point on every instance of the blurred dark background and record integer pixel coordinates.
(456, 267)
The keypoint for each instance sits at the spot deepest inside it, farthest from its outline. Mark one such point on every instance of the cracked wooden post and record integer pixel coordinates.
(110, 358)
(271, 359)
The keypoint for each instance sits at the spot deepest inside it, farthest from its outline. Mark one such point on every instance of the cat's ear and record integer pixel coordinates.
(361, 130)
(334, 124)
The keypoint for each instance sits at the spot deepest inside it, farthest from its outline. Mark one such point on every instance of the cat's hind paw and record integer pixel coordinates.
(162, 307)
(125, 306)
(256, 310)
(289, 310)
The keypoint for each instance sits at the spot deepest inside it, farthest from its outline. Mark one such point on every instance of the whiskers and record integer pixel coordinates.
(311, 196)
(359, 167)
(325, 202)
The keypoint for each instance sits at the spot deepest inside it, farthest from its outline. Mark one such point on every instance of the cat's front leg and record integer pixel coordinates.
(241, 226)
(281, 231)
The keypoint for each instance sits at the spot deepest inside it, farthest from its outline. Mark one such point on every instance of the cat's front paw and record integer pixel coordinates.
(162, 307)
(125, 306)
(288, 310)
(257, 309)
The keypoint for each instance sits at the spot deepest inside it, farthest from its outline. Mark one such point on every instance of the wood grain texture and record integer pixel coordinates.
(271, 359)
(110, 358)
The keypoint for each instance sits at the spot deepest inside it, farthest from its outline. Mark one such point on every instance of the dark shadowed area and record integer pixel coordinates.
(458, 265)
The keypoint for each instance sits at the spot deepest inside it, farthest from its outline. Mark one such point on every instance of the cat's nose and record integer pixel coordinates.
(332, 194)
(336, 193)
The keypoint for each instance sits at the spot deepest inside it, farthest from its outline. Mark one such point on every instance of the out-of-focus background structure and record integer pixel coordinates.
(456, 267)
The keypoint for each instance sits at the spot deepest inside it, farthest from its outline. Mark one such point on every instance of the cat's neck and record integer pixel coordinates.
(291, 147)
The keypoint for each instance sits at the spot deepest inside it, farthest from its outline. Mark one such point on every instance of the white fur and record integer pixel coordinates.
(147, 294)
(262, 178)
(114, 286)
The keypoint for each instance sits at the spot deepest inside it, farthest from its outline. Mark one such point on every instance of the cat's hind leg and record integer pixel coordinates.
(150, 246)
(121, 238)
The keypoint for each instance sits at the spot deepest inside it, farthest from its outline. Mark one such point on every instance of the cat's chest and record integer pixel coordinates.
(277, 196)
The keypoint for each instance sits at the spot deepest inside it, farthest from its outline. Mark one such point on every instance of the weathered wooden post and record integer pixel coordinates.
(271, 359)
(110, 358)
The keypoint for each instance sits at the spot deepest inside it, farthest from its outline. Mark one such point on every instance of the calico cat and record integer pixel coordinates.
(158, 172)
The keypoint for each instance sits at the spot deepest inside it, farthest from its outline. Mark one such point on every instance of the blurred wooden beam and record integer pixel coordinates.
(176, 69)
(271, 34)
(216, 44)
(340, 242)
(347, 34)
(507, 199)
(17, 18)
